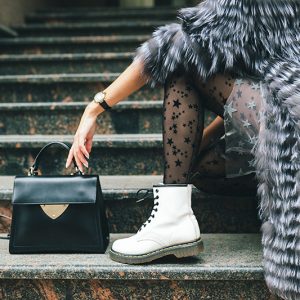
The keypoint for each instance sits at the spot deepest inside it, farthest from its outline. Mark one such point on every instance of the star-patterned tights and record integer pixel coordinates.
(185, 100)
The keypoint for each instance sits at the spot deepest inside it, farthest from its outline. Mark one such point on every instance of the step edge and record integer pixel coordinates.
(33, 106)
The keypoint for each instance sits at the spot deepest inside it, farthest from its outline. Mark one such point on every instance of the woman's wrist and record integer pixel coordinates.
(94, 109)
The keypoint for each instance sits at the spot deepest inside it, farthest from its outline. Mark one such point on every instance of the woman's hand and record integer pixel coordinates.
(83, 139)
(128, 81)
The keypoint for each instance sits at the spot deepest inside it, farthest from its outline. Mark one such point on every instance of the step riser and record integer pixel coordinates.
(68, 48)
(65, 92)
(60, 121)
(216, 214)
(56, 119)
(106, 9)
(88, 31)
(125, 289)
(126, 159)
(53, 66)
(97, 18)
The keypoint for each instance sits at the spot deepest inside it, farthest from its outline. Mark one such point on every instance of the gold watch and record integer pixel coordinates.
(100, 99)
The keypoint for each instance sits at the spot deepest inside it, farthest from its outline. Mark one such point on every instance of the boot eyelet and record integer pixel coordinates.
(156, 190)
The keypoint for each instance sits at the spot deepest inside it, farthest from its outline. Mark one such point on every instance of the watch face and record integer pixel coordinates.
(99, 97)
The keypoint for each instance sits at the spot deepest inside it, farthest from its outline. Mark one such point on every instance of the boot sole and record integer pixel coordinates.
(179, 250)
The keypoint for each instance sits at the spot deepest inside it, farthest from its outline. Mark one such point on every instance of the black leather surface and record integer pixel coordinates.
(82, 228)
(55, 189)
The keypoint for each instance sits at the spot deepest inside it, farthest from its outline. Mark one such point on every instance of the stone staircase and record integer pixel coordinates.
(48, 73)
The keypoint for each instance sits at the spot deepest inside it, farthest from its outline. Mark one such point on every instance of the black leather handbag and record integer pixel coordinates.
(58, 214)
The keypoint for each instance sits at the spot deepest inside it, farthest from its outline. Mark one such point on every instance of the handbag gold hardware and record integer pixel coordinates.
(53, 211)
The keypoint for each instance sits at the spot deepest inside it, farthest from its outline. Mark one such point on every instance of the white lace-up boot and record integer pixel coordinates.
(172, 228)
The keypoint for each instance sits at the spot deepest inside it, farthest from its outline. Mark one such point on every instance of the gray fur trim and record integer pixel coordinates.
(277, 160)
(252, 38)
(222, 35)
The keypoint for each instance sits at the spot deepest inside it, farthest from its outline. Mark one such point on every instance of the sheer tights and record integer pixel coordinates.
(185, 100)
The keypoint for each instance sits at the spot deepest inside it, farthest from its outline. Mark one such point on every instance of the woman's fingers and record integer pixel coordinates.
(81, 144)
(76, 153)
(78, 162)
(78, 149)
(80, 157)
(70, 157)
(88, 145)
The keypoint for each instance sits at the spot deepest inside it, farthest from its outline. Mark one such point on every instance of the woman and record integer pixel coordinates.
(239, 59)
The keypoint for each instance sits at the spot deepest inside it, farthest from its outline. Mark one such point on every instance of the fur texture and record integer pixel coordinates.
(252, 38)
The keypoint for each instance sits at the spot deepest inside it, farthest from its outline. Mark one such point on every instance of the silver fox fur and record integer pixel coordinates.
(256, 39)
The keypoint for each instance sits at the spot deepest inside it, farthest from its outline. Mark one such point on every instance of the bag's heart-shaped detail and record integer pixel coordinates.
(53, 211)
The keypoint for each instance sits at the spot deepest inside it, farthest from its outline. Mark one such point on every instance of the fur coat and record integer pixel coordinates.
(256, 39)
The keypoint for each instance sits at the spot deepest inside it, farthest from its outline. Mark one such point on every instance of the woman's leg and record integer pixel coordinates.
(209, 175)
(184, 103)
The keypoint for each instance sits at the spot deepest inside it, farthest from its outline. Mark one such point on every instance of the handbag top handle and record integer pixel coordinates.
(33, 170)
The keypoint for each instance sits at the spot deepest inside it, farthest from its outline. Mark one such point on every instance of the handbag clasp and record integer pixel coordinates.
(53, 211)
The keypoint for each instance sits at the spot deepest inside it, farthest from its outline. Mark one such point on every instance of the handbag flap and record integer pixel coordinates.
(70, 189)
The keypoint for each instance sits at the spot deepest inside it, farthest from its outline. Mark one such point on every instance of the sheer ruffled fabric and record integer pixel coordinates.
(242, 113)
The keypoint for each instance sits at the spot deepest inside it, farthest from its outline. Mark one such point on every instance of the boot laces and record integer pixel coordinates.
(145, 196)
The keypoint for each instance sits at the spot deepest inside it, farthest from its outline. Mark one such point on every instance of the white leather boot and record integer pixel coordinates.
(172, 228)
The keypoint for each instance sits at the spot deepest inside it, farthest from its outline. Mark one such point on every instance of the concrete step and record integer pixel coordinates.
(215, 212)
(63, 118)
(91, 28)
(229, 268)
(105, 9)
(100, 15)
(63, 88)
(112, 154)
(13, 64)
(72, 44)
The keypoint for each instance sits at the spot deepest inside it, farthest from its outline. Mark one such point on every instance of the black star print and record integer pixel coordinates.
(178, 163)
(170, 142)
(174, 127)
(190, 106)
(239, 93)
(174, 152)
(176, 103)
(187, 140)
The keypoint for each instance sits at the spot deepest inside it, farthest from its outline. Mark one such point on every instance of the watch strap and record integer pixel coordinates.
(104, 105)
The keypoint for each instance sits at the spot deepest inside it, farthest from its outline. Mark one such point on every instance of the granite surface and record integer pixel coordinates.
(225, 257)
(89, 28)
(63, 88)
(96, 15)
(216, 213)
(133, 289)
(123, 154)
(63, 118)
(229, 268)
(64, 63)
(86, 44)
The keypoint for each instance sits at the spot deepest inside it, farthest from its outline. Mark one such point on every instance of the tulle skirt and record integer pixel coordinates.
(242, 112)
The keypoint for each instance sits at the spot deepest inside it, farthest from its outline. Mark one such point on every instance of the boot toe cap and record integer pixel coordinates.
(130, 246)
